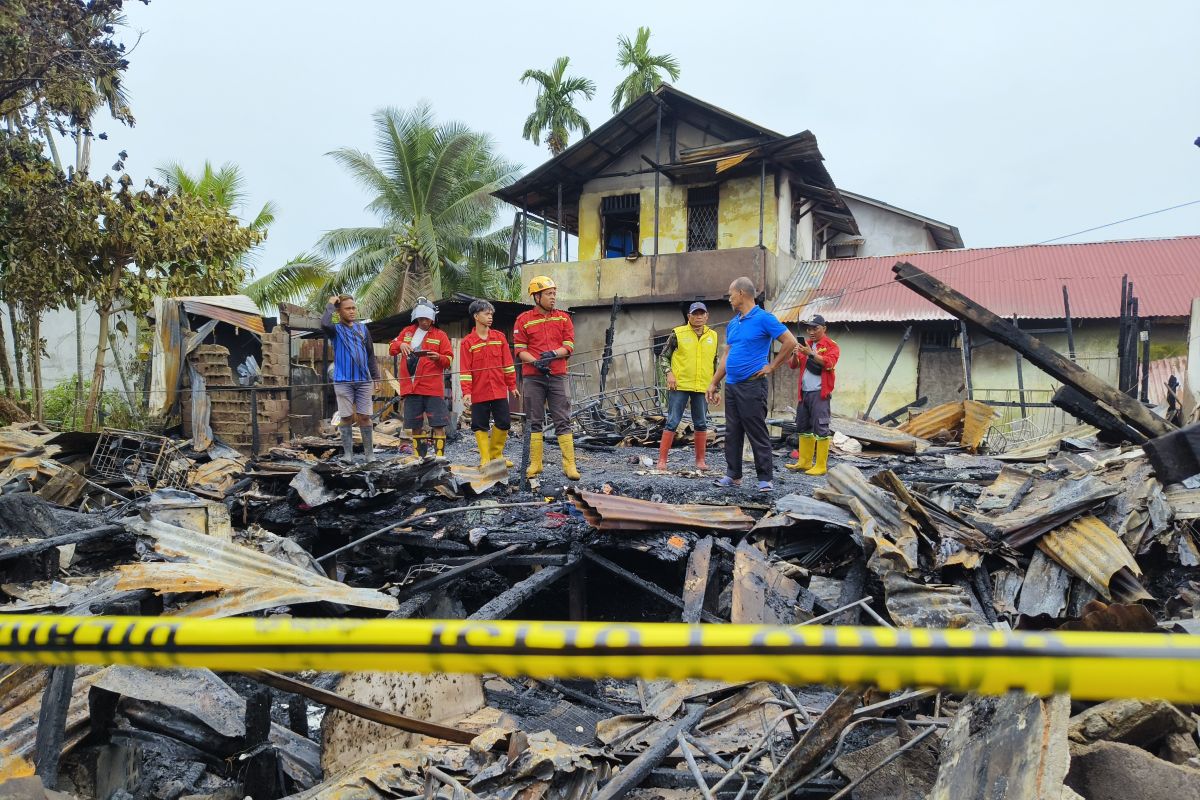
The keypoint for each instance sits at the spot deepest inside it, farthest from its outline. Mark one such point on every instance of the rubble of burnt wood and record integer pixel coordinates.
(913, 526)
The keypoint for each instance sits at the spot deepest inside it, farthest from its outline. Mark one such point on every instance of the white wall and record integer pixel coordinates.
(888, 233)
(58, 330)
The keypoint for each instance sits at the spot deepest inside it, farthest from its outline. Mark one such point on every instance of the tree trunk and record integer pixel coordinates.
(5, 372)
(78, 359)
(35, 362)
(104, 311)
(18, 356)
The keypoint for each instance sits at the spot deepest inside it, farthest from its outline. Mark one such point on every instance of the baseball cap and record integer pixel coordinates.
(697, 306)
(813, 321)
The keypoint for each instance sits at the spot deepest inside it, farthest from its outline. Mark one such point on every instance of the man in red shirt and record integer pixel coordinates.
(816, 358)
(487, 375)
(544, 339)
(425, 354)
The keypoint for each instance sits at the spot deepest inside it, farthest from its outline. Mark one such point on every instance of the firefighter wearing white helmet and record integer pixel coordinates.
(544, 338)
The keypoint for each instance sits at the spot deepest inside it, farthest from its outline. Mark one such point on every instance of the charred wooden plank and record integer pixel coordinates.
(636, 771)
(815, 743)
(77, 537)
(506, 603)
(1045, 358)
(52, 724)
(453, 574)
(701, 567)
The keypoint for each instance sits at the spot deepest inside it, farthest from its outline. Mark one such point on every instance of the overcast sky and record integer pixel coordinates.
(1017, 122)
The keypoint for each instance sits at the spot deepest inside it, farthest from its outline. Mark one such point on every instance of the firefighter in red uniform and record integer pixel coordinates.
(487, 375)
(816, 359)
(544, 339)
(425, 354)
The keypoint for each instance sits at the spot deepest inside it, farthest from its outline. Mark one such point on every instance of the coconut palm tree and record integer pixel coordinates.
(554, 111)
(225, 187)
(431, 190)
(645, 69)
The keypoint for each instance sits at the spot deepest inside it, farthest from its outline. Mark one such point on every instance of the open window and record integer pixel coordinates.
(702, 218)
(619, 215)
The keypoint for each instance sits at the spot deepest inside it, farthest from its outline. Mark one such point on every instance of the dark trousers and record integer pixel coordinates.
(496, 411)
(746, 418)
(812, 414)
(539, 391)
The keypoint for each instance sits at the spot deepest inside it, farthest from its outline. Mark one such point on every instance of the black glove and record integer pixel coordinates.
(543, 363)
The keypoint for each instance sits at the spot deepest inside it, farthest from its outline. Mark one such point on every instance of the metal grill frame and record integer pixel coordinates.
(702, 222)
(143, 459)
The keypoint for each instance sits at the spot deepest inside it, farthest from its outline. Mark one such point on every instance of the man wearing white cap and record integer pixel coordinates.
(691, 358)
(425, 354)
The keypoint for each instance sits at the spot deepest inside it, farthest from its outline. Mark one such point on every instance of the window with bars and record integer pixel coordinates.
(702, 218)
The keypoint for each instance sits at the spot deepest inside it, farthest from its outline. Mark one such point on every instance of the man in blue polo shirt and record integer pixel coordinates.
(745, 365)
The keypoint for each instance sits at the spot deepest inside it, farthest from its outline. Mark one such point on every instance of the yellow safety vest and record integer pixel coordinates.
(692, 361)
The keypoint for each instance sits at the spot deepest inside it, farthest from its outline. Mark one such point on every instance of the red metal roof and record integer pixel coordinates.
(1026, 281)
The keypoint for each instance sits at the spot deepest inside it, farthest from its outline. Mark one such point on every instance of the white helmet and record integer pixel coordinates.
(424, 310)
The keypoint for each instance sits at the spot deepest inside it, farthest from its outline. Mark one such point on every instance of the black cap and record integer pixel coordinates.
(813, 321)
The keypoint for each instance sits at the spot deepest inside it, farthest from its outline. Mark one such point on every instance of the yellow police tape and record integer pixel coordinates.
(1092, 666)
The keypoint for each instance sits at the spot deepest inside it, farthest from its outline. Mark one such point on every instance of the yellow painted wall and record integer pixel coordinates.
(737, 214)
(737, 217)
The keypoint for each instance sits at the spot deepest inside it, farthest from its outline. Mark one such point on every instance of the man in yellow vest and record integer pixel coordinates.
(691, 353)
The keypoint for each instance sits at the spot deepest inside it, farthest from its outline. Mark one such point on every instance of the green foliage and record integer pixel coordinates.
(302, 280)
(431, 189)
(645, 69)
(554, 111)
(60, 62)
(63, 411)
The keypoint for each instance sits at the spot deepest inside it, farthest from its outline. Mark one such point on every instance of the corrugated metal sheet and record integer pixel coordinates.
(912, 604)
(1025, 281)
(609, 512)
(968, 418)
(883, 519)
(245, 580)
(239, 319)
(1040, 449)
(1093, 552)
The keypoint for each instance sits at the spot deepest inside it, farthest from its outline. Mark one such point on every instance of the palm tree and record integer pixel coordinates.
(554, 111)
(431, 189)
(645, 75)
(301, 280)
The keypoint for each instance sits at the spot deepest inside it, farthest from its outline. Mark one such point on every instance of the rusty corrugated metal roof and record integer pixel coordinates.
(1026, 281)
(1161, 372)
(970, 419)
(609, 512)
(244, 580)
(913, 604)
(1092, 551)
(240, 319)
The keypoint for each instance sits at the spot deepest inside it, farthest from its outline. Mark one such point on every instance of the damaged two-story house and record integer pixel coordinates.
(669, 201)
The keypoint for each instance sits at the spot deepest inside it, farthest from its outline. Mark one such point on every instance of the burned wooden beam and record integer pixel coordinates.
(77, 537)
(697, 590)
(1112, 428)
(1175, 456)
(636, 771)
(502, 605)
(657, 591)
(1048, 360)
(52, 724)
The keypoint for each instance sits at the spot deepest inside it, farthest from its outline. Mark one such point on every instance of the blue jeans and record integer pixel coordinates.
(675, 404)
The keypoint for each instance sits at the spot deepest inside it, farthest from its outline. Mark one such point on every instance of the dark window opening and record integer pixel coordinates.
(619, 217)
(702, 218)
(939, 340)
(844, 249)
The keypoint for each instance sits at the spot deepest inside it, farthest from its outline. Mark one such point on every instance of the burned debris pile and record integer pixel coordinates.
(909, 529)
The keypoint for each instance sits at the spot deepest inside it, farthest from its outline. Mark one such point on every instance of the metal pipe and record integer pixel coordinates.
(965, 335)
(524, 228)
(1145, 334)
(1020, 379)
(657, 178)
(560, 235)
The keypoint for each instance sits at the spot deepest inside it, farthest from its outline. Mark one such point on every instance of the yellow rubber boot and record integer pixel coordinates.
(806, 449)
(498, 438)
(535, 455)
(485, 452)
(439, 446)
(566, 443)
(822, 457)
